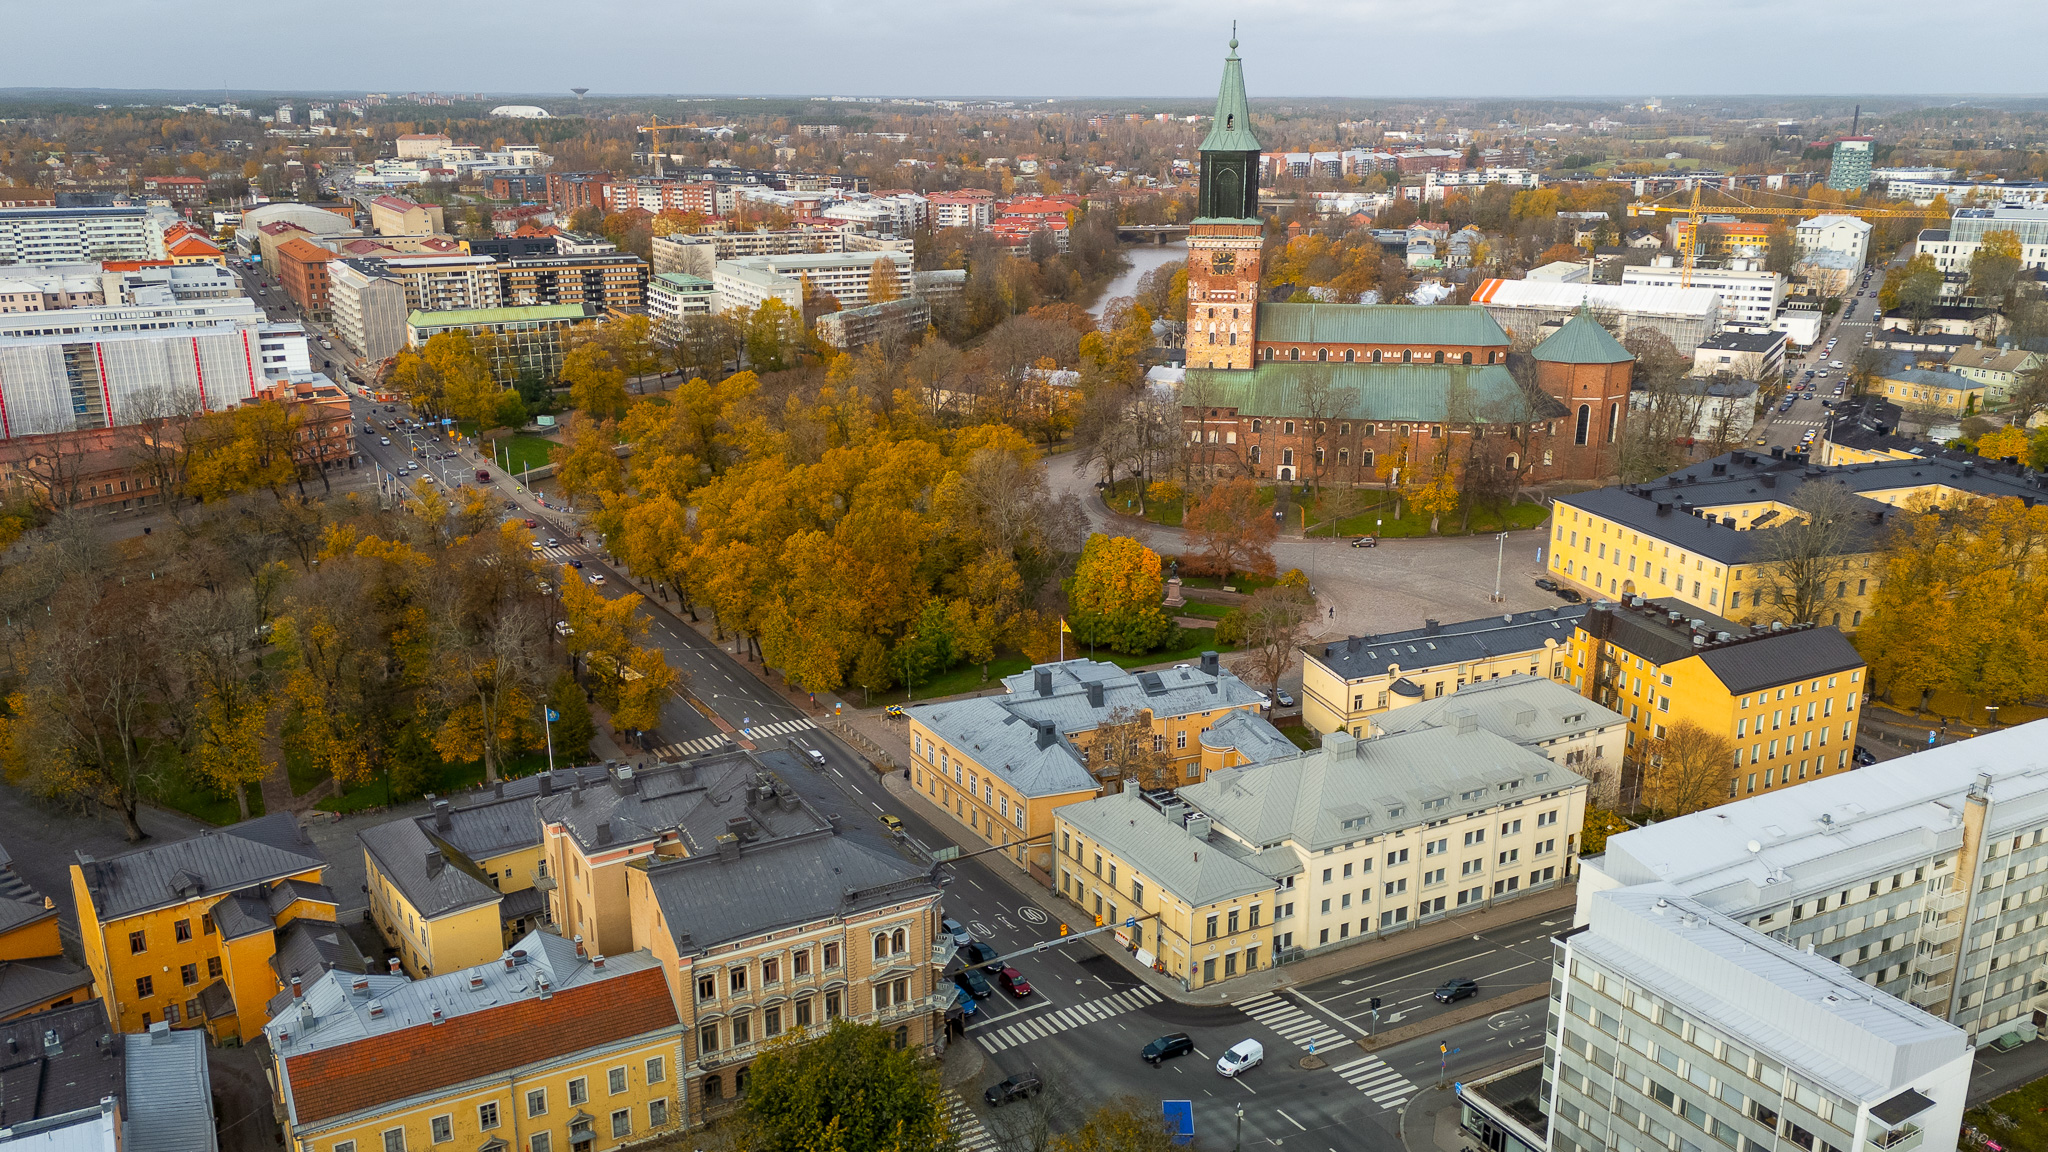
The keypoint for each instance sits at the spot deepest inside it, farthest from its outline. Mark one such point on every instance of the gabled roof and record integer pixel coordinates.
(693, 803)
(1232, 130)
(41, 1080)
(170, 1094)
(722, 896)
(1582, 340)
(1447, 325)
(1462, 642)
(422, 871)
(1422, 393)
(253, 852)
(1200, 870)
(1530, 710)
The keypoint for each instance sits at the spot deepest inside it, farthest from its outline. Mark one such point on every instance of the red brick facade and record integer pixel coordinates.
(1595, 397)
(1224, 263)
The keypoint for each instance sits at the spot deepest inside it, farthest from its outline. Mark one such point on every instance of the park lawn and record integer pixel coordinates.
(1124, 498)
(524, 451)
(2018, 1119)
(1238, 582)
(1304, 737)
(1376, 516)
(176, 789)
(1205, 611)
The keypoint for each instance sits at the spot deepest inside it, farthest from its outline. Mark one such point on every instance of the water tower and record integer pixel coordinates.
(579, 92)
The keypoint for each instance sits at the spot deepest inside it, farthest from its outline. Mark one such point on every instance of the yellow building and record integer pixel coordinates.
(189, 932)
(1725, 235)
(34, 974)
(773, 933)
(1787, 699)
(1919, 388)
(1002, 764)
(1696, 536)
(1347, 682)
(547, 1049)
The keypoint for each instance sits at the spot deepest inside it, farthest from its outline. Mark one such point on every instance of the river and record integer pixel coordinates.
(1144, 258)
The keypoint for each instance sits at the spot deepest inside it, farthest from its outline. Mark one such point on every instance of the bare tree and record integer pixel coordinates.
(1126, 747)
(1803, 565)
(1275, 627)
(1687, 769)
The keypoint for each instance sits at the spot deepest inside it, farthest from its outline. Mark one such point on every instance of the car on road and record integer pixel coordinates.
(575, 563)
(1762, 440)
(562, 628)
(1835, 364)
(538, 546)
(976, 984)
(1545, 584)
(958, 931)
(1019, 1087)
(552, 541)
(1167, 1047)
(532, 523)
(1863, 757)
(1285, 700)
(1365, 542)
(1570, 595)
(1013, 982)
(1243, 1056)
(891, 823)
(813, 755)
(977, 954)
(895, 710)
(1824, 375)
(546, 589)
(1455, 990)
(384, 439)
(595, 577)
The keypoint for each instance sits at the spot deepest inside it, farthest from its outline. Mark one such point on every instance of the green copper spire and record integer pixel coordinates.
(1232, 131)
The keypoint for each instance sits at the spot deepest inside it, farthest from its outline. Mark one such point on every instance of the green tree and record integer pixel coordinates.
(1117, 596)
(772, 331)
(850, 1090)
(597, 385)
(574, 731)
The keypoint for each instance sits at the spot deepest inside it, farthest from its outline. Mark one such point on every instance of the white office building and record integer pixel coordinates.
(1834, 233)
(78, 235)
(1953, 246)
(1750, 296)
(744, 283)
(674, 297)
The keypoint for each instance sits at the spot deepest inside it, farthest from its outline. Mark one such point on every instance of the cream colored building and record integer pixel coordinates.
(1345, 683)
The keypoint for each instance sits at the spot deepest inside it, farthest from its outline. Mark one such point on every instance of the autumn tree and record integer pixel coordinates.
(248, 448)
(629, 681)
(1127, 747)
(588, 466)
(1126, 1124)
(1800, 565)
(1234, 530)
(882, 281)
(597, 384)
(1116, 596)
(1276, 623)
(1995, 268)
(1437, 491)
(1687, 769)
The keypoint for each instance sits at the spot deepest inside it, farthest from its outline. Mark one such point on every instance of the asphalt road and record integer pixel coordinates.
(1784, 428)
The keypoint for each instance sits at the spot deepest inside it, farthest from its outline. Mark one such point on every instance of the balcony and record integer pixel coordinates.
(1931, 963)
(1940, 933)
(1943, 901)
(1904, 1139)
(1930, 996)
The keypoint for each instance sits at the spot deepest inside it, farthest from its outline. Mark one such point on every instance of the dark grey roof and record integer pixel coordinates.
(1743, 341)
(170, 1094)
(253, 852)
(1753, 656)
(720, 896)
(16, 913)
(306, 948)
(1459, 643)
(283, 895)
(37, 981)
(422, 872)
(1745, 665)
(243, 913)
(37, 1080)
(1901, 1108)
(1649, 632)
(697, 800)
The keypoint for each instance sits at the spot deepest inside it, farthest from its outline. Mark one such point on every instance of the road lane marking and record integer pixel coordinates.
(1292, 1120)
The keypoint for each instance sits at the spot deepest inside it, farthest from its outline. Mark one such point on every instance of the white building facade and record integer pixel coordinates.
(1749, 296)
(78, 235)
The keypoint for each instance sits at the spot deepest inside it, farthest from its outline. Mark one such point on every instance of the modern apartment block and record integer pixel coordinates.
(1922, 876)
(445, 283)
(1750, 296)
(1674, 1026)
(78, 235)
(369, 308)
(744, 283)
(674, 297)
(614, 283)
(698, 254)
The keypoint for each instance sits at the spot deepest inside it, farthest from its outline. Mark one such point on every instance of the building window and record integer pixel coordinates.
(182, 929)
(579, 1091)
(189, 974)
(1585, 421)
(622, 1123)
(1407, 356)
(831, 956)
(144, 988)
(742, 1029)
(487, 1115)
(657, 1113)
(1437, 357)
(707, 1038)
(537, 1102)
(615, 1081)
(443, 1128)
(137, 942)
(541, 1142)
(394, 1140)
(213, 967)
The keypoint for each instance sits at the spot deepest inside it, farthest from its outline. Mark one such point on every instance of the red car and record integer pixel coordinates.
(1014, 982)
(532, 523)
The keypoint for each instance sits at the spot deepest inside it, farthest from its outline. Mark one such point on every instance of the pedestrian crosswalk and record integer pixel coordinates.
(784, 728)
(967, 1126)
(693, 747)
(1381, 1084)
(1039, 1026)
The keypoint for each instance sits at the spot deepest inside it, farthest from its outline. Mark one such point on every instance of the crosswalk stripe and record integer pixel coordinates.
(974, 1136)
(1342, 1069)
(1150, 995)
(989, 1043)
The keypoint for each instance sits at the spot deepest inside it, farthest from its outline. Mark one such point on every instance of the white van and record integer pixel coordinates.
(812, 754)
(1243, 1056)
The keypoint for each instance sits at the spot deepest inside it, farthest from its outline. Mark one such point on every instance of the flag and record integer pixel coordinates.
(1063, 625)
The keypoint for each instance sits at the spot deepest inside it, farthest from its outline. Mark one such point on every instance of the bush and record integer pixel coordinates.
(1230, 629)
(1293, 578)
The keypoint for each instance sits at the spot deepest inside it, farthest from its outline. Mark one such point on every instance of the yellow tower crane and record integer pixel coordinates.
(654, 128)
(1693, 210)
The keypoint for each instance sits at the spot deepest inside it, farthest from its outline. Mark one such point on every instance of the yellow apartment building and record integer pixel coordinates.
(760, 938)
(548, 1048)
(1788, 699)
(34, 974)
(1945, 392)
(188, 932)
(1345, 683)
(1003, 764)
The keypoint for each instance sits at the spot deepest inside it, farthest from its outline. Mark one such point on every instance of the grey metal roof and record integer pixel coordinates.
(1200, 870)
(38, 1079)
(253, 852)
(423, 873)
(1529, 710)
(15, 913)
(1780, 658)
(1002, 740)
(1462, 642)
(1181, 691)
(170, 1098)
(1351, 789)
(1252, 735)
(696, 801)
(1753, 657)
(37, 981)
(726, 895)
(307, 948)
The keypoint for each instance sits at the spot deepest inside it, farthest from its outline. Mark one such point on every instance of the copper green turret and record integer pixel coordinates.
(1230, 154)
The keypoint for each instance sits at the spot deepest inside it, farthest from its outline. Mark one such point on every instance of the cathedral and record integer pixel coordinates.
(1295, 392)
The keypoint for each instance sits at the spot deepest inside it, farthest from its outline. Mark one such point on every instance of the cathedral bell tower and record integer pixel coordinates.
(1225, 238)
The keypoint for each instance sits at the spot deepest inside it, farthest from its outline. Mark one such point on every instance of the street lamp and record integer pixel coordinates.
(1240, 1128)
(1991, 712)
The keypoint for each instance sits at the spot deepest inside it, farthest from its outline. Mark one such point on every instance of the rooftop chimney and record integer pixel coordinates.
(604, 832)
(1041, 680)
(1431, 627)
(376, 1010)
(1211, 663)
(434, 862)
(728, 847)
(579, 945)
(441, 818)
(359, 985)
(597, 962)
(395, 969)
(547, 782)
(437, 1014)
(1198, 825)
(298, 987)
(476, 980)
(1095, 694)
(1045, 733)
(540, 984)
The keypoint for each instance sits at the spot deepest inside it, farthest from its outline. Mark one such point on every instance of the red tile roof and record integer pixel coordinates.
(333, 1081)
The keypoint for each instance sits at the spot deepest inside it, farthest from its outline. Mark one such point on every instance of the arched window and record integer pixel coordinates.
(1212, 337)
(713, 1088)
(881, 947)
(902, 1037)
(1407, 355)
(1294, 353)
(1613, 421)
(1437, 357)
(1365, 457)
(1493, 356)
(1513, 462)
(1256, 425)
(1350, 354)
(1255, 453)
(898, 942)
(1585, 419)
(1468, 357)
(1322, 355)
(1269, 353)
(1375, 355)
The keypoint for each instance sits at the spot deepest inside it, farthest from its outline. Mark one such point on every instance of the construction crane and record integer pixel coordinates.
(1693, 210)
(654, 128)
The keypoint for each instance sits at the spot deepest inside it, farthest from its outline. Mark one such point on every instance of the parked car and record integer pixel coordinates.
(1570, 595)
(1863, 757)
(961, 936)
(977, 954)
(562, 628)
(1456, 990)
(1365, 542)
(974, 982)
(1243, 1056)
(1285, 700)
(894, 825)
(1013, 982)
(1167, 1047)
(1546, 584)
(594, 577)
(1019, 1087)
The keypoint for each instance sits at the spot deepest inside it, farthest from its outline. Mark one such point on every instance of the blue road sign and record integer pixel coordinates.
(1180, 1116)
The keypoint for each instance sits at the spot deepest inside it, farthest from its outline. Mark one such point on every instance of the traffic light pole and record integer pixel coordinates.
(1066, 937)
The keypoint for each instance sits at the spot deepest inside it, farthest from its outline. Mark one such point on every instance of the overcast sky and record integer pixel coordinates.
(1044, 48)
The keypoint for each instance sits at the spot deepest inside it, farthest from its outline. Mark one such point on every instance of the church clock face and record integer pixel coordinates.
(1223, 263)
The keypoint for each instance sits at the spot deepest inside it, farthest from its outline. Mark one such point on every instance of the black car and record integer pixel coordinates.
(1455, 990)
(978, 955)
(1014, 1088)
(1570, 595)
(1167, 1047)
(1365, 542)
(975, 983)
(1546, 585)
(1863, 757)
